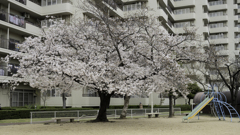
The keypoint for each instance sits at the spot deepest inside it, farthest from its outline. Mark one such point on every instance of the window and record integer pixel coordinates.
(23, 97)
(218, 36)
(13, 45)
(13, 68)
(134, 6)
(48, 23)
(56, 93)
(44, 2)
(220, 47)
(49, 2)
(183, 24)
(217, 25)
(219, 13)
(183, 11)
(238, 47)
(213, 3)
(52, 2)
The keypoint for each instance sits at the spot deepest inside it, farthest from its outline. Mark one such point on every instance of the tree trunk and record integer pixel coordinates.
(125, 107)
(64, 100)
(232, 98)
(44, 103)
(170, 106)
(104, 104)
(189, 101)
(175, 102)
(235, 97)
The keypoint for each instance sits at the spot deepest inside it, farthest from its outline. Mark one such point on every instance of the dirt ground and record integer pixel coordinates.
(139, 126)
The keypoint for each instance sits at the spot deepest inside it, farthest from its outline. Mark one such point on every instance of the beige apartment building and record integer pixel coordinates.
(216, 20)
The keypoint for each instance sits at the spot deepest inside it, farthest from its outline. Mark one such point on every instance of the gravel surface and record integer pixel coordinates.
(141, 126)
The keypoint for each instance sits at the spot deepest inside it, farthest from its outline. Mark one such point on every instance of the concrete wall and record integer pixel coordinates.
(77, 100)
(4, 98)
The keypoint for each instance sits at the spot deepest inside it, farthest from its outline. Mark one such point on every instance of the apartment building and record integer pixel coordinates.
(216, 20)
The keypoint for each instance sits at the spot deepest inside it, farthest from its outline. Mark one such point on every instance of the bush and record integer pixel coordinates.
(7, 108)
(10, 113)
(14, 114)
(183, 107)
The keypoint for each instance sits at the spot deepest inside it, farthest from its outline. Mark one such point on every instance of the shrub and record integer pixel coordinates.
(9, 113)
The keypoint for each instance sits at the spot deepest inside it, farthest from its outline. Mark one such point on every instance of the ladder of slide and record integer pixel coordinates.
(216, 108)
(230, 108)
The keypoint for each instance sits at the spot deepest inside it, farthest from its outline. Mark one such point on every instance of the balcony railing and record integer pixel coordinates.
(38, 2)
(22, 1)
(8, 70)
(112, 4)
(13, 19)
(9, 44)
(54, 2)
(16, 20)
(170, 23)
(213, 3)
(169, 9)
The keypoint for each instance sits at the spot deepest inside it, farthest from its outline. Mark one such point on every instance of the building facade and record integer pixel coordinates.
(216, 20)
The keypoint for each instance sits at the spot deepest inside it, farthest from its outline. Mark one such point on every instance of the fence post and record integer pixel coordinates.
(78, 115)
(55, 114)
(131, 113)
(31, 117)
(145, 112)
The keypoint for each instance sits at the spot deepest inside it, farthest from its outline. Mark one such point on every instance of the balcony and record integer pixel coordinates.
(169, 9)
(238, 10)
(218, 18)
(204, 29)
(218, 30)
(19, 24)
(187, 16)
(170, 23)
(170, 26)
(224, 52)
(162, 2)
(114, 8)
(8, 46)
(64, 8)
(161, 14)
(179, 30)
(219, 41)
(238, 1)
(184, 3)
(206, 17)
(46, 8)
(217, 5)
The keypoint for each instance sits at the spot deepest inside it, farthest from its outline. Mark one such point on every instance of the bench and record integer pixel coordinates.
(150, 114)
(58, 119)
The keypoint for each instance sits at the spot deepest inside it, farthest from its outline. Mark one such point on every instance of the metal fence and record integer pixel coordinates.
(50, 116)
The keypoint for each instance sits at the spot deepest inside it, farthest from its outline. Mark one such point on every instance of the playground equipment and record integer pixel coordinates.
(217, 102)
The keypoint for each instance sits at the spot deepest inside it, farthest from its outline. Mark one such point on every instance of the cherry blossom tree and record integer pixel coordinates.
(162, 52)
(109, 55)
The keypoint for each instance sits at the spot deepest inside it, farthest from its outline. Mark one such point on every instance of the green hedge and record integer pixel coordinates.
(13, 114)
(25, 113)
(183, 107)
(18, 112)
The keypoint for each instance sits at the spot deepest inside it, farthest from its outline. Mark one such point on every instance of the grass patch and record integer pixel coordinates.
(186, 111)
(23, 120)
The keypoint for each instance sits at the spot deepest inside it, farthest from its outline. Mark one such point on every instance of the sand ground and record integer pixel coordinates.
(140, 126)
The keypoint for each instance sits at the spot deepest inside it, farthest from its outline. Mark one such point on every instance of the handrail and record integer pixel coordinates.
(22, 1)
(8, 44)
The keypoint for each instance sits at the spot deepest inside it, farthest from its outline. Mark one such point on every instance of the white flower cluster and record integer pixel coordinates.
(130, 57)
